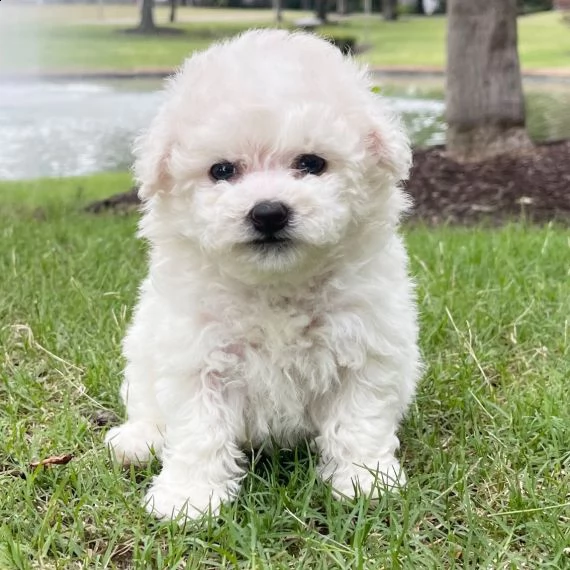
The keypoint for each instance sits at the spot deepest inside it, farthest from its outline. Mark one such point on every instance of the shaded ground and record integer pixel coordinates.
(535, 186)
(155, 31)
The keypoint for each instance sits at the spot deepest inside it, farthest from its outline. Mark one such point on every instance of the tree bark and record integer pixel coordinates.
(342, 7)
(390, 9)
(172, 11)
(278, 7)
(147, 25)
(484, 99)
(321, 9)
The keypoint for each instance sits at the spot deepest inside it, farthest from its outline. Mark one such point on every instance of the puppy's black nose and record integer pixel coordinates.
(269, 217)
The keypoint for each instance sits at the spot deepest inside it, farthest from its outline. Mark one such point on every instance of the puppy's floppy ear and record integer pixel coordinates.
(152, 165)
(387, 142)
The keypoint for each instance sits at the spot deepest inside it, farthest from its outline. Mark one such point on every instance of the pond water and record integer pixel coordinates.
(76, 128)
(67, 129)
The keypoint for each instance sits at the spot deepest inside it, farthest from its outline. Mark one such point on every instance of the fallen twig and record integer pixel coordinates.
(53, 460)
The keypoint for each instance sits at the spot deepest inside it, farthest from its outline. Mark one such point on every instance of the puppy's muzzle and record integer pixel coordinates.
(269, 218)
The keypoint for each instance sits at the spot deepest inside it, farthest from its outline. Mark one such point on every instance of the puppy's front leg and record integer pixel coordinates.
(357, 430)
(132, 441)
(202, 464)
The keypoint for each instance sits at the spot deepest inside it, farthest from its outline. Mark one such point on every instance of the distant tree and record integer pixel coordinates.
(342, 7)
(321, 9)
(484, 98)
(173, 4)
(390, 9)
(278, 7)
(527, 6)
(146, 24)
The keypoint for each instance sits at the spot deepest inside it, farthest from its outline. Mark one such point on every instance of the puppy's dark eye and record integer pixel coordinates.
(223, 171)
(310, 164)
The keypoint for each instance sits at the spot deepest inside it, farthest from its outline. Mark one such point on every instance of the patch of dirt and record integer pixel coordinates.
(122, 202)
(104, 418)
(535, 185)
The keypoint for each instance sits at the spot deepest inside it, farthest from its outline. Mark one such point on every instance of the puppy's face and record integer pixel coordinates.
(273, 174)
(267, 190)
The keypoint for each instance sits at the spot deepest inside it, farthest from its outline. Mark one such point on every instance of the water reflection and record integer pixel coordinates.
(423, 118)
(67, 129)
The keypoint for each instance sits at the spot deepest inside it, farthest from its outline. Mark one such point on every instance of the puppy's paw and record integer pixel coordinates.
(132, 442)
(190, 502)
(360, 480)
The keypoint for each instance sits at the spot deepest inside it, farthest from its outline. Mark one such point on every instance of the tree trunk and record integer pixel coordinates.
(390, 9)
(172, 11)
(484, 98)
(342, 7)
(321, 9)
(147, 17)
(420, 7)
(278, 7)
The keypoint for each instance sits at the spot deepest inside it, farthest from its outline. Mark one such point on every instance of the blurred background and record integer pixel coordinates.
(78, 79)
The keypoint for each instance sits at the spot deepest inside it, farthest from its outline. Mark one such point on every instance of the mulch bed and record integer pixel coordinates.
(535, 186)
(122, 202)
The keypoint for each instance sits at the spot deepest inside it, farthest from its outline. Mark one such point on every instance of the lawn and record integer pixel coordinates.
(72, 38)
(486, 445)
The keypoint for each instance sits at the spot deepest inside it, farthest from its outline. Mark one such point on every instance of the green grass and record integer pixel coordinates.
(76, 38)
(486, 445)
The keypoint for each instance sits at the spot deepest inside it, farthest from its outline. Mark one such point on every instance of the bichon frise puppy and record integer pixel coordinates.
(278, 304)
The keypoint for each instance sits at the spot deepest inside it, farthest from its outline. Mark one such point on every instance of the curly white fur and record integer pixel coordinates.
(232, 345)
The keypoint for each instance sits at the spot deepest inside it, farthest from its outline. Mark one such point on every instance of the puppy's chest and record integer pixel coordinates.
(281, 342)
(292, 349)
(285, 365)
(281, 335)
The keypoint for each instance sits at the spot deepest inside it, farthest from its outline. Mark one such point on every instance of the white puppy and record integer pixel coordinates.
(278, 304)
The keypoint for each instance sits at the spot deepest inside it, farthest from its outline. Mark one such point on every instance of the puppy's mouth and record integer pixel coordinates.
(270, 243)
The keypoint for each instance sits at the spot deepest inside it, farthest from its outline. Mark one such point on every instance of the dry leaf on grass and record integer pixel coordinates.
(53, 460)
